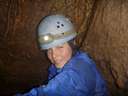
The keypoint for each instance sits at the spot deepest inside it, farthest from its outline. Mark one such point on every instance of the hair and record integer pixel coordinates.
(73, 46)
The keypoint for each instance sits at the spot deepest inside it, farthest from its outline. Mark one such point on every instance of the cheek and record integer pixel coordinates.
(66, 53)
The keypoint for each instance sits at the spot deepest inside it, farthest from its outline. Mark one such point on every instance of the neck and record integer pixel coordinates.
(60, 65)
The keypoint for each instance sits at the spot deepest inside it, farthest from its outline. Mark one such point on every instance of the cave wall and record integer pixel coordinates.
(22, 64)
(102, 27)
(107, 42)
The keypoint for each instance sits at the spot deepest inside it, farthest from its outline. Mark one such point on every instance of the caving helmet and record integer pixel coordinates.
(55, 30)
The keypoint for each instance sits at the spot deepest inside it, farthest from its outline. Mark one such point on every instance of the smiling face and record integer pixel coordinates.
(60, 55)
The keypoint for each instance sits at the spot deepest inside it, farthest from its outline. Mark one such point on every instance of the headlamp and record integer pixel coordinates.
(48, 38)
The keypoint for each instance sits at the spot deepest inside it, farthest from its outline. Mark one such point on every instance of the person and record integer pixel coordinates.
(72, 72)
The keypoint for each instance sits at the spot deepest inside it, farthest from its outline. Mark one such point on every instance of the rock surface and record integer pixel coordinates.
(102, 27)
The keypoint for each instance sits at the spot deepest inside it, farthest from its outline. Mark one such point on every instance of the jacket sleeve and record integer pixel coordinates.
(64, 84)
(51, 72)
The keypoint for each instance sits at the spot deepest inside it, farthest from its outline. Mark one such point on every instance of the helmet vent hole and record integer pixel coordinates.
(58, 26)
(58, 22)
(62, 25)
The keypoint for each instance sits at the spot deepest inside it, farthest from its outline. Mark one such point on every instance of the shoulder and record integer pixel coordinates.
(80, 57)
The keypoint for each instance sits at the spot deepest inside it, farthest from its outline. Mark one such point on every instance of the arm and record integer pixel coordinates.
(64, 84)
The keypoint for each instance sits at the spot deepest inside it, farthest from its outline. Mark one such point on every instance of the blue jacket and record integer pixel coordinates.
(79, 77)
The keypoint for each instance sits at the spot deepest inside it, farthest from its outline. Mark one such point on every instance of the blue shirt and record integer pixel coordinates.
(78, 77)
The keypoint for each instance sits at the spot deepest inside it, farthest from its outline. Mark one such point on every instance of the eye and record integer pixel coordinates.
(61, 47)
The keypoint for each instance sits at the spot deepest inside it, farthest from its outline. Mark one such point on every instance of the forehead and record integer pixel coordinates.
(65, 45)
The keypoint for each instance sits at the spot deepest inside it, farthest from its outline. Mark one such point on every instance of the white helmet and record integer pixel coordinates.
(55, 30)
